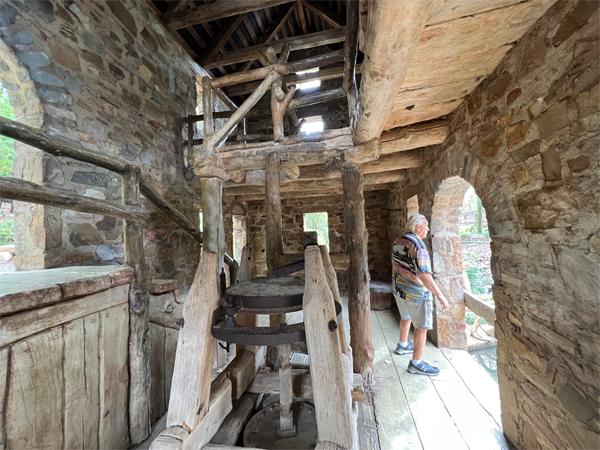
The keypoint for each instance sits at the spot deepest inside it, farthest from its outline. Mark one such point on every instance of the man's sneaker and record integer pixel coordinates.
(423, 369)
(404, 350)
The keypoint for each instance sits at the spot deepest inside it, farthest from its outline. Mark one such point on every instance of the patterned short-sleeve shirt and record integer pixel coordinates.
(409, 259)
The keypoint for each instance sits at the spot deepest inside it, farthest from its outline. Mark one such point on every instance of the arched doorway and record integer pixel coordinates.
(29, 230)
(450, 328)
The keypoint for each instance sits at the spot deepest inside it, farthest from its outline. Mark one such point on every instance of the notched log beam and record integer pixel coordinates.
(359, 154)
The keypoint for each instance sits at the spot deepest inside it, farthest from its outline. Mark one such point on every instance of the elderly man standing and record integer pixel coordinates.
(412, 287)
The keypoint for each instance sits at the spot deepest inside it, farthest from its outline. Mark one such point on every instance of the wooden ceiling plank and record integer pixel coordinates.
(250, 29)
(227, 29)
(259, 22)
(298, 43)
(328, 15)
(301, 17)
(217, 10)
(393, 32)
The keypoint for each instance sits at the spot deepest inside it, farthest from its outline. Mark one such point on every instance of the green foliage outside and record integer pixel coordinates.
(318, 222)
(7, 231)
(480, 279)
(471, 231)
(7, 153)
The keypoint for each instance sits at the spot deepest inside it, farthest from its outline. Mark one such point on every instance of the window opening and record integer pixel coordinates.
(239, 236)
(312, 125)
(320, 223)
(201, 222)
(412, 206)
(308, 84)
(7, 156)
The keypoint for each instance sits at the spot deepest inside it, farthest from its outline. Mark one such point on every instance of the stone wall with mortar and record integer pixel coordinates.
(527, 140)
(293, 210)
(109, 77)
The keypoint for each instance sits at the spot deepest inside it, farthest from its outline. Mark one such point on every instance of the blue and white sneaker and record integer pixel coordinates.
(423, 369)
(404, 350)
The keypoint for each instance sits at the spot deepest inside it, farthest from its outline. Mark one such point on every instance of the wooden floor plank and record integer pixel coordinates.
(475, 424)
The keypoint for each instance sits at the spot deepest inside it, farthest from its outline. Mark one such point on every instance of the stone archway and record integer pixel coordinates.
(30, 232)
(450, 329)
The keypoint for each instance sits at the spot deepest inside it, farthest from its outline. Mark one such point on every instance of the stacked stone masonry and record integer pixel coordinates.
(527, 140)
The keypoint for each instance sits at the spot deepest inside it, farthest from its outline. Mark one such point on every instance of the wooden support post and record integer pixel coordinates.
(190, 389)
(330, 382)
(234, 423)
(139, 325)
(274, 237)
(212, 213)
(350, 53)
(359, 309)
(246, 274)
(207, 107)
(333, 285)
(287, 426)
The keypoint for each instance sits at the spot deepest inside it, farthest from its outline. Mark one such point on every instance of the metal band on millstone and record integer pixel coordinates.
(267, 295)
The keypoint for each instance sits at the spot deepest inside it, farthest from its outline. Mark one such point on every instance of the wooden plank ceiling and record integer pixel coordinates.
(462, 43)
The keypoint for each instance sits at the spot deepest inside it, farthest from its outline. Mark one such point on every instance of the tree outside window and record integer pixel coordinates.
(318, 222)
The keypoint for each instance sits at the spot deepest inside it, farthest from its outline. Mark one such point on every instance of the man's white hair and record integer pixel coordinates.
(414, 220)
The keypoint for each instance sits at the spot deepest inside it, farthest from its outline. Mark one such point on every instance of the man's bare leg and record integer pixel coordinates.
(404, 329)
(420, 336)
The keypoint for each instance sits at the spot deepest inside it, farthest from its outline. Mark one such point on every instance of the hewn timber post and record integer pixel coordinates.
(359, 308)
(279, 99)
(246, 274)
(274, 237)
(212, 213)
(207, 107)
(139, 326)
(331, 277)
(287, 425)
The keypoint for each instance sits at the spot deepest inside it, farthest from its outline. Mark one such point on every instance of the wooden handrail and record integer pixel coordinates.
(481, 308)
(26, 191)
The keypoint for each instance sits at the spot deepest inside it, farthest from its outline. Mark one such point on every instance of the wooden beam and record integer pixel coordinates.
(317, 97)
(351, 49)
(414, 136)
(174, 7)
(301, 17)
(329, 16)
(57, 147)
(26, 191)
(293, 79)
(246, 274)
(358, 154)
(212, 213)
(356, 237)
(282, 69)
(172, 213)
(139, 324)
(393, 32)
(233, 425)
(297, 43)
(216, 139)
(481, 308)
(331, 277)
(217, 10)
(218, 42)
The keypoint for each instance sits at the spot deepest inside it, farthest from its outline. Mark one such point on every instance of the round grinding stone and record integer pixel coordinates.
(268, 287)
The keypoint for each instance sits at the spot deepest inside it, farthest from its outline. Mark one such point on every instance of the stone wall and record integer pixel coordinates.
(293, 210)
(111, 78)
(527, 140)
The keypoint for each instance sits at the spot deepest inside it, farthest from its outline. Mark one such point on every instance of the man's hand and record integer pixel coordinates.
(444, 302)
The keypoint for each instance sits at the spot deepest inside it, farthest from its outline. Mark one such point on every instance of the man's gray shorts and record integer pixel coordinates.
(420, 313)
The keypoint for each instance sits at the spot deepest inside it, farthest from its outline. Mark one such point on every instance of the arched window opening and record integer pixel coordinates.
(7, 217)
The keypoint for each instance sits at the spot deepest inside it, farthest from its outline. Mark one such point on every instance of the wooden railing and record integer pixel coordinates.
(133, 214)
(480, 308)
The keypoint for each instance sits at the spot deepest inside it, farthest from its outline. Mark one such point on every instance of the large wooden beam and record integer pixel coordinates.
(351, 47)
(280, 68)
(393, 32)
(414, 136)
(217, 10)
(317, 97)
(356, 236)
(139, 323)
(329, 16)
(26, 191)
(358, 154)
(218, 42)
(212, 214)
(297, 43)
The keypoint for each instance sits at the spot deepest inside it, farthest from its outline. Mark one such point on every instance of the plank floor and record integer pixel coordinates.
(458, 409)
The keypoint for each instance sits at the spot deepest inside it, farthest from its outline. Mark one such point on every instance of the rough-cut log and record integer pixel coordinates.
(212, 214)
(331, 390)
(292, 172)
(164, 310)
(317, 97)
(26, 191)
(333, 285)
(234, 268)
(480, 308)
(293, 79)
(279, 104)
(414, 136)
(231, 428)
(287, 425)
(237, 116)
(280, 68)
(215, 115)
(172, 213)
(58, 147)
(359, 310)
(274, 237)
(394, 161)
(139, 325)
(351, 47)
(247, 320)
(215, 11)
(208, 108)
(330, 16)
(241, 372)
(359, 154)
(300, 16)
(393, 32)
(190, 389)
(297, 43)
(315, 193)
(211, 171)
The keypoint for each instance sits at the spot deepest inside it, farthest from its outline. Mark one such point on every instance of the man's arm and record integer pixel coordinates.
(428, 282)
